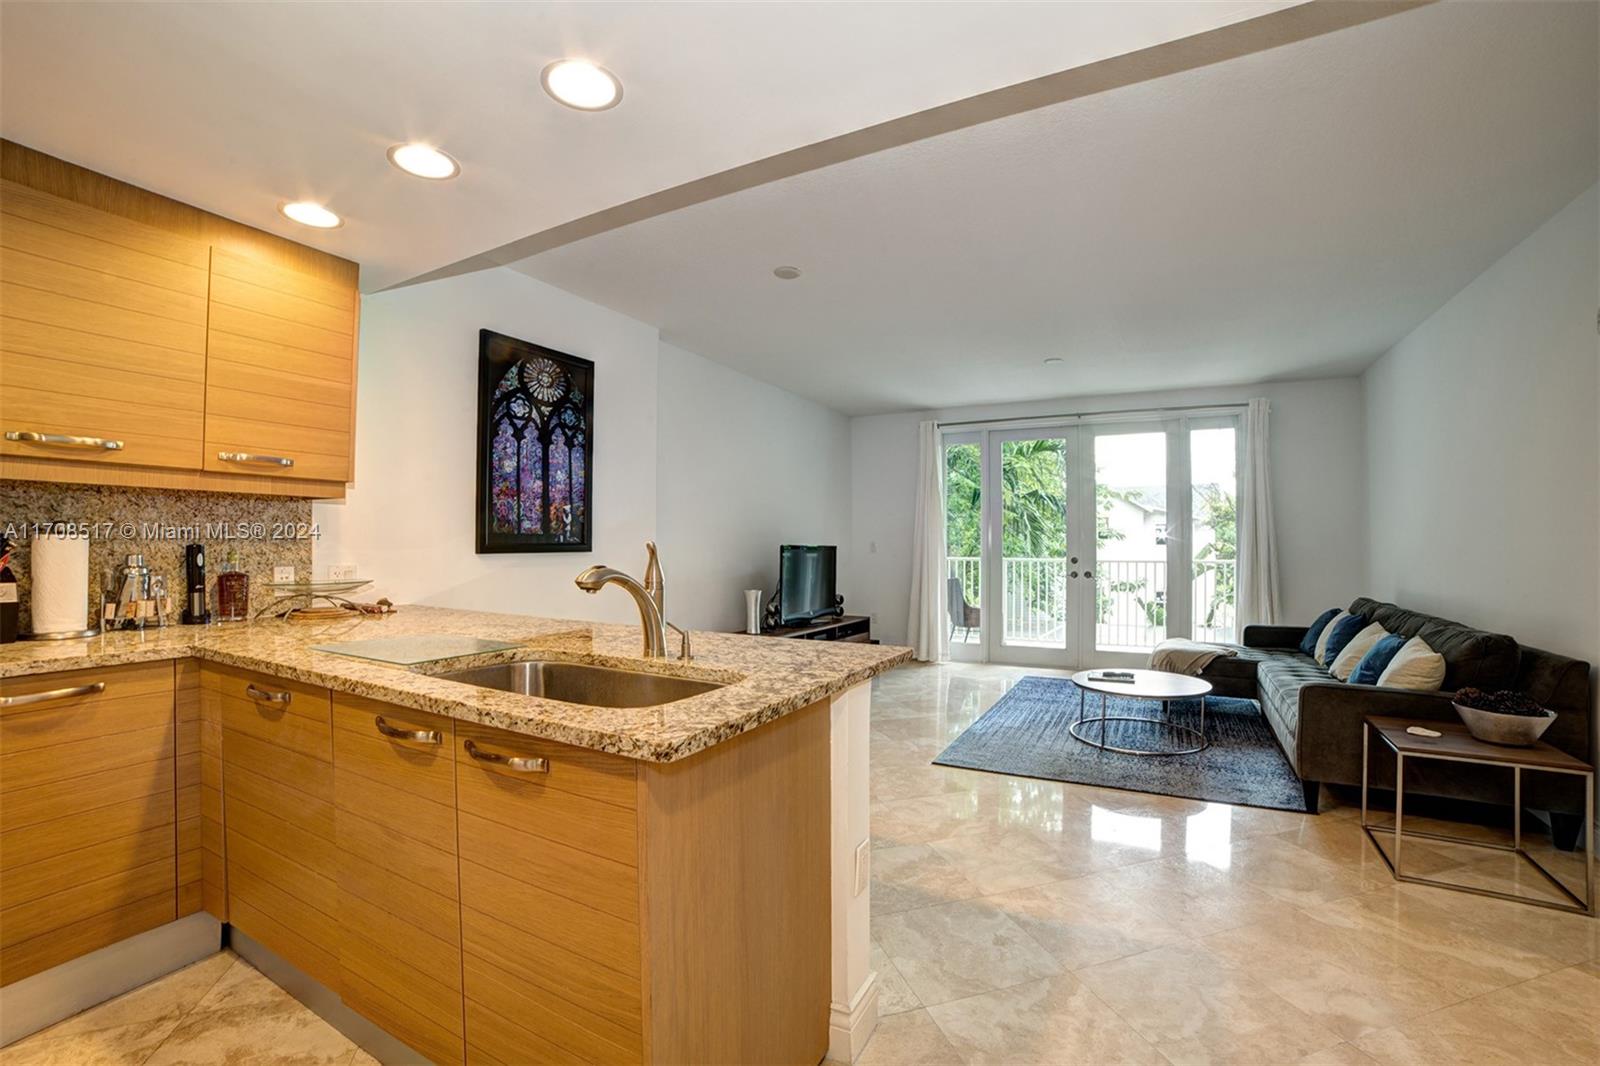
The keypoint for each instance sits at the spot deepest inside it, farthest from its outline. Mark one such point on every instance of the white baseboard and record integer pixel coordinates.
(850, 1025)
(31, 1004)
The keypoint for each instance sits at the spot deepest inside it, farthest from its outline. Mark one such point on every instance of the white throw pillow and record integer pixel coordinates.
(1415, 666)
(1344, 664)
(1321, 654)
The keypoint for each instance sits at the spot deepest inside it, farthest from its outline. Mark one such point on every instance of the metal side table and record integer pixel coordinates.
(1456, 744)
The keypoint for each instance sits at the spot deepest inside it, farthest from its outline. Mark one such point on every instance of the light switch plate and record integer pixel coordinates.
(281, 575)
(342, 572)
(863, 866)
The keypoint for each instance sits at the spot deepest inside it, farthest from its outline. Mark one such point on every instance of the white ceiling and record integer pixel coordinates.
(239, 107)
(1289, 213)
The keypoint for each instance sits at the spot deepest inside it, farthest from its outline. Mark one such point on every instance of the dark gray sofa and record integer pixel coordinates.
(1317, 719)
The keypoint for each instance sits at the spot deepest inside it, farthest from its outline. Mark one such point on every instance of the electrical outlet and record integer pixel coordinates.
(863, 866)
(342, 572)
(281, 575)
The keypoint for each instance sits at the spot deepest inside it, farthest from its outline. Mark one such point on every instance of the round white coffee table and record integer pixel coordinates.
(1146, 685)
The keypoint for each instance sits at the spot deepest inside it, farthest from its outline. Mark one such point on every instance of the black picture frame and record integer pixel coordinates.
(497, 354)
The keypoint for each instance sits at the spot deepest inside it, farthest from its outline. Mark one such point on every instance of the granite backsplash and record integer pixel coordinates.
(265, 531)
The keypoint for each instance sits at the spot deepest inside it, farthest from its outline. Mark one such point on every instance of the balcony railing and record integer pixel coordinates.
(1130, 608)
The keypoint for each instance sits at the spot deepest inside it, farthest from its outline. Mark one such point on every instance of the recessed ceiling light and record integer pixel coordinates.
(424, 161)
(787, 273)
(581, 84)
(309, 213)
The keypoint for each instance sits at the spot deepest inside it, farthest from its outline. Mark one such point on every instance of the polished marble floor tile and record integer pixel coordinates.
(1080, 924)
(1552, 1019)
(1195, 1007)
(960, 949)
(913, 876)
(1213, 933)
(217, 1011)
(903, 1039)
(1053, 1021)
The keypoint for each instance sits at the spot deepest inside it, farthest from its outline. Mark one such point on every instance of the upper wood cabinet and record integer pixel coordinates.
(280, 371)
(103, 335)
(146, 342)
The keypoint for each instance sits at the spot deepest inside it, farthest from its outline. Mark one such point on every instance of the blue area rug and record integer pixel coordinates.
(1025, 733)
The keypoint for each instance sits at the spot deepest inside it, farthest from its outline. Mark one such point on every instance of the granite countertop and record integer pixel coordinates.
(763, 678)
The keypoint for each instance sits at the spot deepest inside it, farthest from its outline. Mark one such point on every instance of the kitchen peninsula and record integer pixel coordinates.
(445, 868)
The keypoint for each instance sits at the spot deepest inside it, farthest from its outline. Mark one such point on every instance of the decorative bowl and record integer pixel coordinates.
(1512, 730)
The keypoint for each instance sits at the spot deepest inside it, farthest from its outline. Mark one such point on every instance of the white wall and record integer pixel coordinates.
(408, 521)
(717, 467)
(1318, 485)
(743, 467)
(1483, 469)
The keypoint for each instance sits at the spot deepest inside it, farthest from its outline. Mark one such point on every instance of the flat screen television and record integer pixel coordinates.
(807, 585)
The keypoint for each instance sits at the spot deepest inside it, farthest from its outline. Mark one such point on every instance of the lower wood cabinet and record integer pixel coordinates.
(87, 812)
(277, 789)
(483, 896)
(549, 901)
(399, 894)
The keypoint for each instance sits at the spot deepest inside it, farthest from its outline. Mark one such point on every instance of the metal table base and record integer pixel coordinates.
(1166, 710)
(1585, 905)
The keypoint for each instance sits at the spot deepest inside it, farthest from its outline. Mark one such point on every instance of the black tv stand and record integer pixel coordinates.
(856, 628)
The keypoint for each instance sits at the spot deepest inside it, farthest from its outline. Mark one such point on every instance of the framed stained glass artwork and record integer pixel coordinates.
(535, 447)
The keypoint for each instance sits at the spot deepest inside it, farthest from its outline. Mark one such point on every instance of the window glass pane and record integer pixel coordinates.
(963, 538)
(1213, 533)
(1033, 541)
(1130, 540)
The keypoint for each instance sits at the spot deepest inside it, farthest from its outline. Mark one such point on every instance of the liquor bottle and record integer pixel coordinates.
(233, 591)
(9, 607)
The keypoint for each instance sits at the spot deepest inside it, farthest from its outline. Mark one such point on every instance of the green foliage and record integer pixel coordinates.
(963, 481)
(1219, 511)
(1033, 486)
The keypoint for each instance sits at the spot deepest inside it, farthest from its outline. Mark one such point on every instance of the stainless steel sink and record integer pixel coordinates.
(594, 686)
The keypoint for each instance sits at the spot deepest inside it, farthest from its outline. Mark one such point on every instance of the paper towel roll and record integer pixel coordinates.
(59, 569)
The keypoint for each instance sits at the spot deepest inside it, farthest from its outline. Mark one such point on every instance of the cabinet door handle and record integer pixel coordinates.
(421, 736)
(64, 438)
(53, 694)
(529, 764)
(267, 695)
(247, 457)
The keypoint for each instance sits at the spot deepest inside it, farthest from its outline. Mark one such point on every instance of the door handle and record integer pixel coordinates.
(53, 694)
(524, 764)
(420, 736)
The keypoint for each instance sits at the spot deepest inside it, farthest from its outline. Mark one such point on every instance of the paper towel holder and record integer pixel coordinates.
(92, 631)
(63, 634)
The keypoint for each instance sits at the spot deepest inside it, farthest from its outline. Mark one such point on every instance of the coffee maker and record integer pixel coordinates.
(194, 598)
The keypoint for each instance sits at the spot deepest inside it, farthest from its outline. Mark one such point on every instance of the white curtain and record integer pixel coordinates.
(1258, 542)
(927, 628)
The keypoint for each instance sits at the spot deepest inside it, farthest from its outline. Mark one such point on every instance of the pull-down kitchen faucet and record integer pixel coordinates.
(649, 597)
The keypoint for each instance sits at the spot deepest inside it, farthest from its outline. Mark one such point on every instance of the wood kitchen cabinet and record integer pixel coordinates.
(399, 892)
(87, 812)
(280, 845)
(146, 342)
(481, 895)
(103, 331)
(280, 371)
(550, 907)
(619, 911)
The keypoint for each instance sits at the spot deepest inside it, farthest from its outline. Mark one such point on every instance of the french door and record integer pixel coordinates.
(1086, 543)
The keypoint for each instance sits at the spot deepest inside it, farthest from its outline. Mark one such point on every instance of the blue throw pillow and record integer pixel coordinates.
(1308, 643)
(1377, 659)
(1343, 633)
